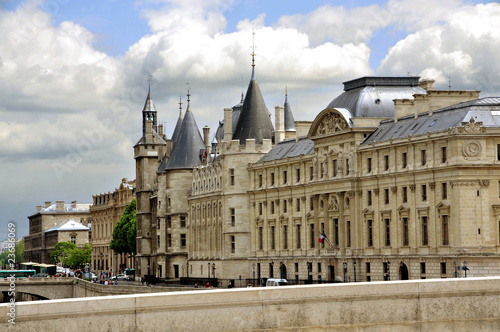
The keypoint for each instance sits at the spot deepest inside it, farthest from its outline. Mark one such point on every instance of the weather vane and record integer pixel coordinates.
(253, 48)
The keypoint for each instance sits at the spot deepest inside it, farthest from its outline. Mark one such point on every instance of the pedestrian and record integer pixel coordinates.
(230, 285)
(142, 280)
(195, 285)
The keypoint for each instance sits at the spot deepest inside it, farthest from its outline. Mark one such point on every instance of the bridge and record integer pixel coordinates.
(465, 304)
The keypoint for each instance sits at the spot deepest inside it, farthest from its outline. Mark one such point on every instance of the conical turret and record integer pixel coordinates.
(149, 113)
(177, 129)
(289, 120)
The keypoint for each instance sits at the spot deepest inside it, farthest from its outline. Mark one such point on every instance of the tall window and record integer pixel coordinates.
(260, 180)
(273, 237)
(386, 162)
(387, 232)
(285, 208)
(348, 231)
(347, 166)
(311, 203)
(369, 197)
(260, 239)
(297, 205)
(231, 176)
(272, 207)
(444, 219)
(73, 239)
(424, 192)
(336, 231)
(335, 167)
(405, 194)
(260, 209)
(233, 216)
(404, 159)
(444, 190)
(158, 241)
(386, 196)
(298, 174)
(405, 232)
(183, 240)
(370, 233)
(311, 173)
(312, 237)
(423, 157)
(183, 221)
(285, 237)
(498, 151)
(272, 179)
(285, 178)
(233, 244)
(369, 165)
(169, 240)
(298, 236)
(425, 231)
(444, 157)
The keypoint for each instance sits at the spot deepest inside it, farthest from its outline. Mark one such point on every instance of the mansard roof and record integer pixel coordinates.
(289, 120)
(254, 121)
(186, 151)
(483, 110)
(289, 148)
(373, 97)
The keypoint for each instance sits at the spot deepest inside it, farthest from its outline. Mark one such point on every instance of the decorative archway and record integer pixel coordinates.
(283, 274)
(403, 271)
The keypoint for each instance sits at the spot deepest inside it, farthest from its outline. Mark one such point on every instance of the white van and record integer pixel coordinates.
(276, 282)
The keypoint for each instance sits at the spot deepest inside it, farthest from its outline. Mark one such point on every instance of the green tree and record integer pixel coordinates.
(123, 240)
(78, 258)
(19, 254)
(61, 252)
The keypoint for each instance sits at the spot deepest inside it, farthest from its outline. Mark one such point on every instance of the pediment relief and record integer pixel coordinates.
(310, 214)
(368, 211)
(284, 216)
(259, 218)
(443, 206)
(328, 122)
(404, 208)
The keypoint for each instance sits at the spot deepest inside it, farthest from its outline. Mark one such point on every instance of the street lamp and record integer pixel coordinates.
(187, 272)
(209, 273)
(101, 255)
(354, 271)
(345, 271)
(388, 270)
(465, 268)
(213, 272)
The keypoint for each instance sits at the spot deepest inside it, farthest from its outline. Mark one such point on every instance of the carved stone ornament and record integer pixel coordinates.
(472, 150)
(376, 191)
(432, 185)
(412, 187)
(484, 183)
(472, 126)
(334, 204)
(331, 123)
(394, 189)
(351, 193)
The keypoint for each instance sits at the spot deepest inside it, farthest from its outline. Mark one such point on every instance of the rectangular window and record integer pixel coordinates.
(233, 216)
(386, 162)
(370, 233)
(272, 207)
(285, 207)
(311, 203)
(231, 176)
(336, 231)
(298, 174)
(443, 267)
(425, 231)
(444, 219)
(424, 193)
(272, 179)
(311, 173)
(369, 197)
(347, 166)
(404, 161)
(498, 151)
(285, 237)
(405, 194)
(183, 221)
(405, 232)
(312, 236)
(233, 244)
(348, 231)
(296, 267)
(298, 236)
(297, 205)
(335, 167)
(387, 232)
(422, 268)
(368, 267)
(386, 196)
(260, 209)
(158, 223)
(158, 244)
(444, 156)
(369, 165)
(260, 239)
(285, 178)
(273, 237)
(169, 221)
(183, 240)
(260, 180)
(423, 157)
(169, 240)
(444, 190)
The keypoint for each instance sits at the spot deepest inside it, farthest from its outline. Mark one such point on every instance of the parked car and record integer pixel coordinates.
(119, 277)
(276, 282)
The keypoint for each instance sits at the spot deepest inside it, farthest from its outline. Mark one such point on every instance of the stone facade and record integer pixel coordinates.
(39, 243)
(106, 211)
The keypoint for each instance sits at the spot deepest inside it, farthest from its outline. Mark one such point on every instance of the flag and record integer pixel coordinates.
(322, 237)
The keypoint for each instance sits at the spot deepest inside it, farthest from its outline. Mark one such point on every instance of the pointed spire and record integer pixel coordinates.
(180, 107)
(177, 128)
(149, 112)
(253, 55)
(289, 120)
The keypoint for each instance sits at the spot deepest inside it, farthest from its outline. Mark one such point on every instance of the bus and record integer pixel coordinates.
(17, 273)
(130, 274)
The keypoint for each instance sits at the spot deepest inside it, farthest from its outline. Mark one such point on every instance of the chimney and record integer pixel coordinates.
(47, 204)
(38, 208)
(206, 139)
(403, 107)
(228, 124)
(73, 204)
(426, 84)
(60, 206)
(280, 124)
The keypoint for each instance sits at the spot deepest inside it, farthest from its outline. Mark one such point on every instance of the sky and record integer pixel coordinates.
(74, 75)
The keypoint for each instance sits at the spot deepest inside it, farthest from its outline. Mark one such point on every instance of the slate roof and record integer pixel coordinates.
(67, 208)
(289, 120)
(177, 128)
(219, 134)
(186, 151)
(289, 148)
(149, 108)
(486, 110)
(69, 226)
(371, 96)
(254, 121)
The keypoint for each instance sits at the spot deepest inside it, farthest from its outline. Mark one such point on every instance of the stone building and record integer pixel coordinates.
(392, 180)
(105, 212)
(43, 227)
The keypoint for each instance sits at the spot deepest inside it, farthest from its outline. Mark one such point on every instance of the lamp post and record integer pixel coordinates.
(345, 271)
(354, 271)
(187, 272)
(465, 268)
(208, 273)
(213, 273)
(388, 271)
(101, 255)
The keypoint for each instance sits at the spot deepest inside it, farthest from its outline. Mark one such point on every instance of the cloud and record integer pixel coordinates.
(465, 47)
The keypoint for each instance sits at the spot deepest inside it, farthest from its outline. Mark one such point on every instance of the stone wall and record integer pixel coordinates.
(439, 305)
